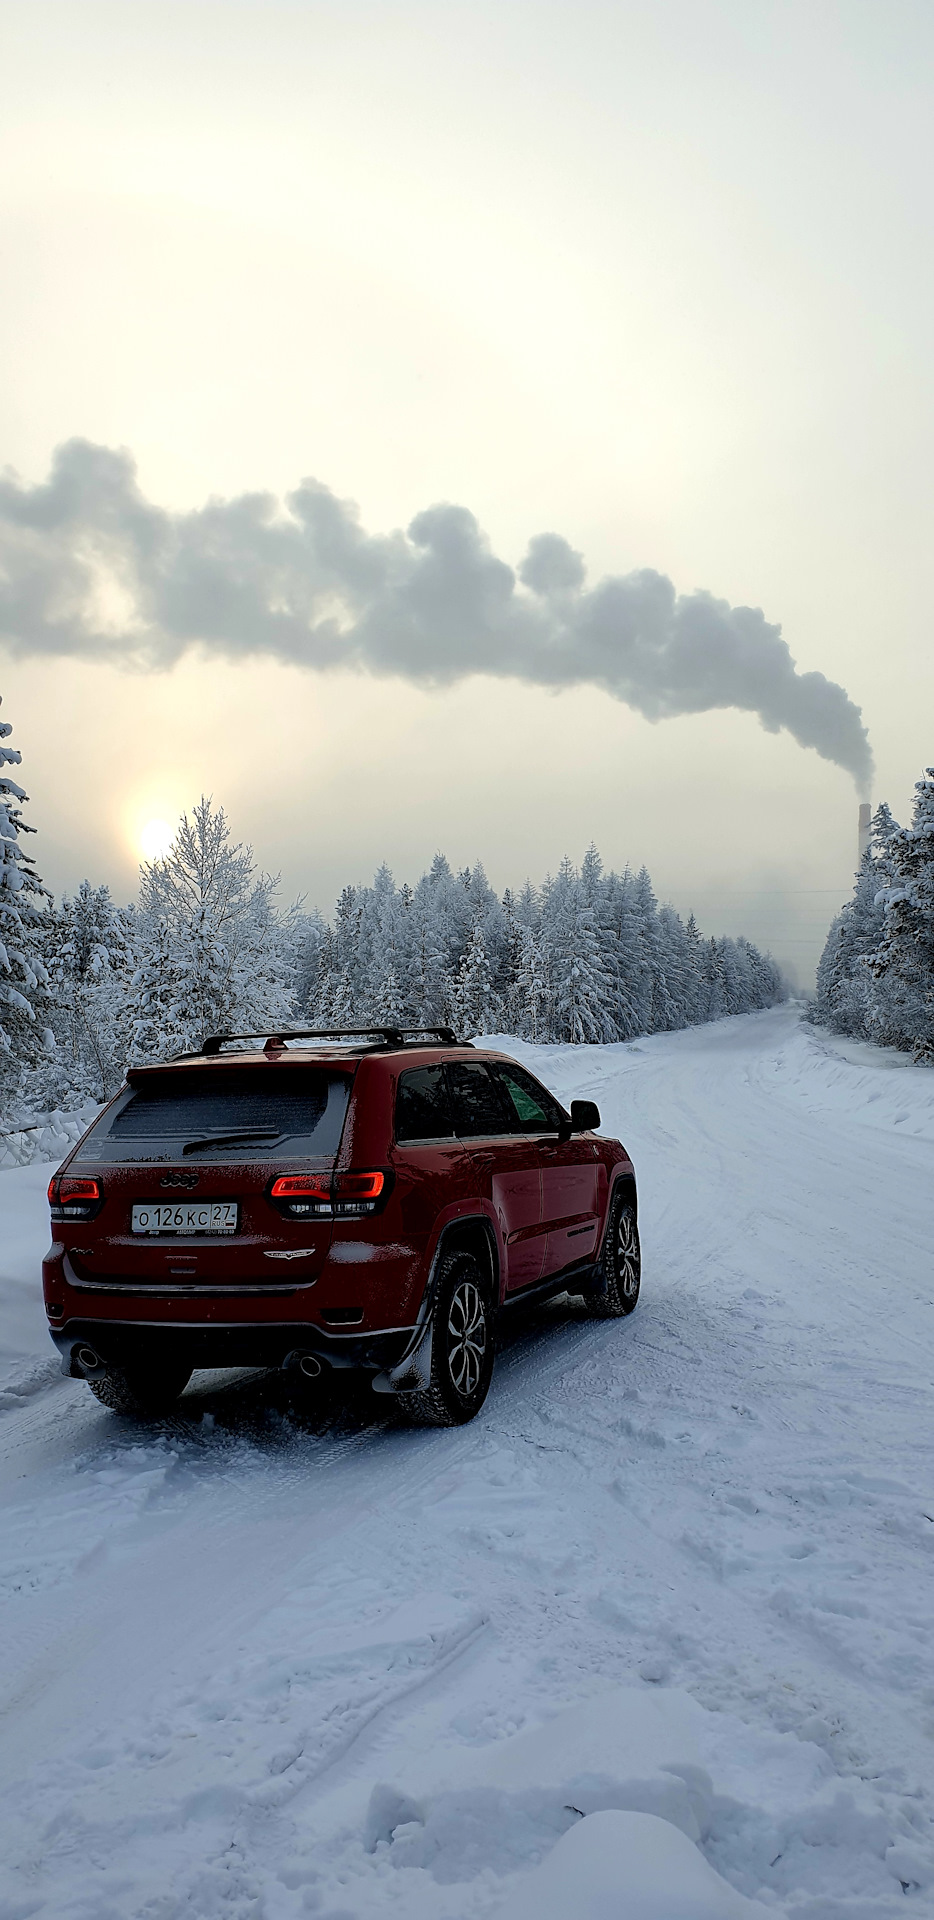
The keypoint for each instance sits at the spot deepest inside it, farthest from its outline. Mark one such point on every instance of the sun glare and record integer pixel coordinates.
(155, 839)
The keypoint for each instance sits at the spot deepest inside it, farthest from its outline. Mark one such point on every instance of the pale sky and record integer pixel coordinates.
(654, 277)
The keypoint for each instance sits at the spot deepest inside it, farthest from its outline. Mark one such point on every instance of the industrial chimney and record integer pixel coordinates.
(865, 829)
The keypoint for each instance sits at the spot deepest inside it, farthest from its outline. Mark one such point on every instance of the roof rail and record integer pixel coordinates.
(378, 1036)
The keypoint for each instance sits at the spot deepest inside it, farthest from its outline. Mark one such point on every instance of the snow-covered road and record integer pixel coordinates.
(261, 1665)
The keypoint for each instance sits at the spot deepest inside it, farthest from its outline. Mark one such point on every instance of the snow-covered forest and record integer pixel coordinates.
(876, 975)
(89, 987)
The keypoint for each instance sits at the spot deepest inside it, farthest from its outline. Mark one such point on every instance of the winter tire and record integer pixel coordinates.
(139, 1391)
(621, 1264)
(461, 1348)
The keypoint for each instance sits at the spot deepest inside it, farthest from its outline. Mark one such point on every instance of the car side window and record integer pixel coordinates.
(478, 1106)
(423, 1110)
(535, 1110)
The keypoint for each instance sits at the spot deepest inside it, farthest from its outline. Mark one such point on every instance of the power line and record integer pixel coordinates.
(763, 891)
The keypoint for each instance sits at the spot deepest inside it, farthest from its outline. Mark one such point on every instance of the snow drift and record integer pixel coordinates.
(627, 1866)
(89, 566)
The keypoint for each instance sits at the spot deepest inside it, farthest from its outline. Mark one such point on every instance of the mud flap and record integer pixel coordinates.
(411, 1374)
(595, 1287)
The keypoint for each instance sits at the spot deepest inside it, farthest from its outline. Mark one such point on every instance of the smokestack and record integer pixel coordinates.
(865, 828)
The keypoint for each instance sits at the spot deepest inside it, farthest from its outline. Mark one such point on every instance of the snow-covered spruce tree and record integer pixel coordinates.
(901, 1009)
(303, 938)
(677, 957)
(24, 904)
(473, 992)
(90, 963)
(659, 1012)
(208, 957)
(527, 1005)
(713, 1000)
(591, 957)
(580, 987)
(341, 988)
(737, 996)
(155, 1018)
(875, 979)
(429, 981)
(844, 982)
(632, 995)
(382, 951)
(429, 988)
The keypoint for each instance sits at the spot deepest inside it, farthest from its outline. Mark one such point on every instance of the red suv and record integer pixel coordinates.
(368, 1200)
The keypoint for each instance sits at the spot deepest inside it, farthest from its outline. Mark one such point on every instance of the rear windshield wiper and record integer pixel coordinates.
(266, 1134)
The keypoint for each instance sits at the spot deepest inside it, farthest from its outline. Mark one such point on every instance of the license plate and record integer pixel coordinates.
(185, 1216)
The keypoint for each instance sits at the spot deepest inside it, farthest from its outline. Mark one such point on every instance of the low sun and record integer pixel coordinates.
(155, 839)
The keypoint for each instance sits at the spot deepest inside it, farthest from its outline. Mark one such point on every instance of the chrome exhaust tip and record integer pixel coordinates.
(87, 1360)
(309, 1366)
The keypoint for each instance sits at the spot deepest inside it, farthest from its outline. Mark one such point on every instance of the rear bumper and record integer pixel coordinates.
(125, 1343)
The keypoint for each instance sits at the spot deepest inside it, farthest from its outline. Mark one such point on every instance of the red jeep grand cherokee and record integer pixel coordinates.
(375, 1204)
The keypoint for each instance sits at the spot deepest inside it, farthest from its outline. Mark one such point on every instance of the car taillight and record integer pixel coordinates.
(291, 1185)
(71, 1198)
(359, 1186)
(359, 1192)
(300, 1195)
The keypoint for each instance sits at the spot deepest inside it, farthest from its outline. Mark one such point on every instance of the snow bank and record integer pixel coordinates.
(27, 1358)
(625, 1793)
(630, 1749)
(854, 1081)
(627, 1866)
(27, 1157)
(45, 1137)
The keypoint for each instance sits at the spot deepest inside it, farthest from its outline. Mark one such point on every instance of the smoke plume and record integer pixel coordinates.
(89, 567)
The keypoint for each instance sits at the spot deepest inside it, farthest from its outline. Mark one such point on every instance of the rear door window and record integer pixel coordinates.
(478, 1106)
(423, 1110)
(225, 1115)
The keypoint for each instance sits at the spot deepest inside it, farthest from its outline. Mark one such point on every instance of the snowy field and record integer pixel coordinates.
(651, 1640)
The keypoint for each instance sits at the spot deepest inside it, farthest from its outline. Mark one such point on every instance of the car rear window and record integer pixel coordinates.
(201, 1114)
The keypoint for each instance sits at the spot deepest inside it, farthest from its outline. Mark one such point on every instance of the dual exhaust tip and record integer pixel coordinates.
(88, 1362)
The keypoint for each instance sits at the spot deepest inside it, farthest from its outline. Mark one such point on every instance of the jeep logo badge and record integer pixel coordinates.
(179, 1180)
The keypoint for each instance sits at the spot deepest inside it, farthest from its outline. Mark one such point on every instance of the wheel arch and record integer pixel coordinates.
(625, 1185)
(473, 1235)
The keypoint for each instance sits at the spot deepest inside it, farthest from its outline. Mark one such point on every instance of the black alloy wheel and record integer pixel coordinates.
(461, 1349)
(621, 1263)
(142, 1391)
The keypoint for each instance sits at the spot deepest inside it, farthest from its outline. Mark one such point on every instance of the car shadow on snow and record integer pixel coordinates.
(272, 1408)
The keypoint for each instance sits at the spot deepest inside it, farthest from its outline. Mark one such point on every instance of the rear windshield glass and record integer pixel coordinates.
(225, 1115)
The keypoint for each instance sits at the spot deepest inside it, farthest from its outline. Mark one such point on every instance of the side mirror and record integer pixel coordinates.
(584, 1115)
